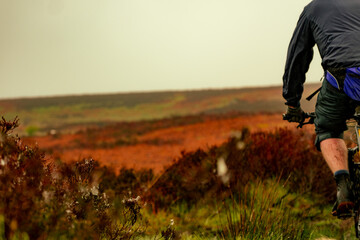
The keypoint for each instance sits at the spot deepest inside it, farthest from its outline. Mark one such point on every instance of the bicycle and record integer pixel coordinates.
(354, 166)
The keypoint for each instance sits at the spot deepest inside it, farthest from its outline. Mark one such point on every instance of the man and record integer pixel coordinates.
(334, 26)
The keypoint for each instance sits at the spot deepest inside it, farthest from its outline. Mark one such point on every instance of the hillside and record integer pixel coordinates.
(145, 130)
(39, 116)
(252, 186)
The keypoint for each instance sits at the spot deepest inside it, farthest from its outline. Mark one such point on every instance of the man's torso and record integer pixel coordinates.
(336, 30)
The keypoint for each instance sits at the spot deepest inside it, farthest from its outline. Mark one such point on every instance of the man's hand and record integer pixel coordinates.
(294, 114)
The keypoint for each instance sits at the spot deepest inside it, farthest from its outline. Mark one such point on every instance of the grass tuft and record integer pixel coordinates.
(261, 211)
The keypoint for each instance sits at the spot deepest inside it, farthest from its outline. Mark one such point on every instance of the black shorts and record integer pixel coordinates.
(333, 108)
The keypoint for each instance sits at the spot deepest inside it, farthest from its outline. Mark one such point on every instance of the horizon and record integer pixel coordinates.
(148, 91)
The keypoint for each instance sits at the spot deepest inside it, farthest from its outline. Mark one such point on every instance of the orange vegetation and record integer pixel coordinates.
(157, 148)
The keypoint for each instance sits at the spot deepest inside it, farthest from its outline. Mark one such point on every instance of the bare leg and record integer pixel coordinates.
(335, 153)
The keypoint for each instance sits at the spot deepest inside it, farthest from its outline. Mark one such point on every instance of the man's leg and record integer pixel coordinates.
(335, 153)
(332, 109)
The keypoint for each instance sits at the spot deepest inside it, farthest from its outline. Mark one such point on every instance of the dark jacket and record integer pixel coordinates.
(334, 26)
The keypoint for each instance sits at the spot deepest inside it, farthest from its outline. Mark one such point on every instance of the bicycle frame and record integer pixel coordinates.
(354, 169)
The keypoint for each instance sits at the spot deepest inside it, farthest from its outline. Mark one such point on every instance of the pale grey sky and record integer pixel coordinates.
(60, 47)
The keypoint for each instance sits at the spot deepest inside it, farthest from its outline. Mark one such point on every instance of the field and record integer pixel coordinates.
(214, 164)
(38, 116)
(151, 144)
(144, 130)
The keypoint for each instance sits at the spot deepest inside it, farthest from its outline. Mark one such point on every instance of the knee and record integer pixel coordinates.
(327, 138)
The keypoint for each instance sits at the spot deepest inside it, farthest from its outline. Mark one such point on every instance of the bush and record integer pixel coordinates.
(243, 158)
(43, 199)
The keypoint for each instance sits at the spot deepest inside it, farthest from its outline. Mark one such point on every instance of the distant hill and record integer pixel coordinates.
(64, 112)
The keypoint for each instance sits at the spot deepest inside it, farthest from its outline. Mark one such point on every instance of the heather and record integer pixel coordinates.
(261, 185)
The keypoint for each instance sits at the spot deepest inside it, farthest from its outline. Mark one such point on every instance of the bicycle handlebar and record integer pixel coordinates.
(311, 116)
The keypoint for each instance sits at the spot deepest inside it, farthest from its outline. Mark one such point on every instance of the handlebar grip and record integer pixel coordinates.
(285, 117)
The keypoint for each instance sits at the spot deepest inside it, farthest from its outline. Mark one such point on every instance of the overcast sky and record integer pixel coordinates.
(61, 47)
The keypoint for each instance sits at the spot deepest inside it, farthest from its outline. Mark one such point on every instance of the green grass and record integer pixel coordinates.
(262, 210)
(265, 210)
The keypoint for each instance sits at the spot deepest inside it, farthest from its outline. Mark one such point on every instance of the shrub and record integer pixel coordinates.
(23, 178)
(243, 158)
(44, 199)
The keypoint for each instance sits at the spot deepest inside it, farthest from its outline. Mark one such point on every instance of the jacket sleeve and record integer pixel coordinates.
(299, 56)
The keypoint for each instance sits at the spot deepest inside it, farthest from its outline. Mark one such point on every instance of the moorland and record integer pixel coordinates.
(211, 164)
